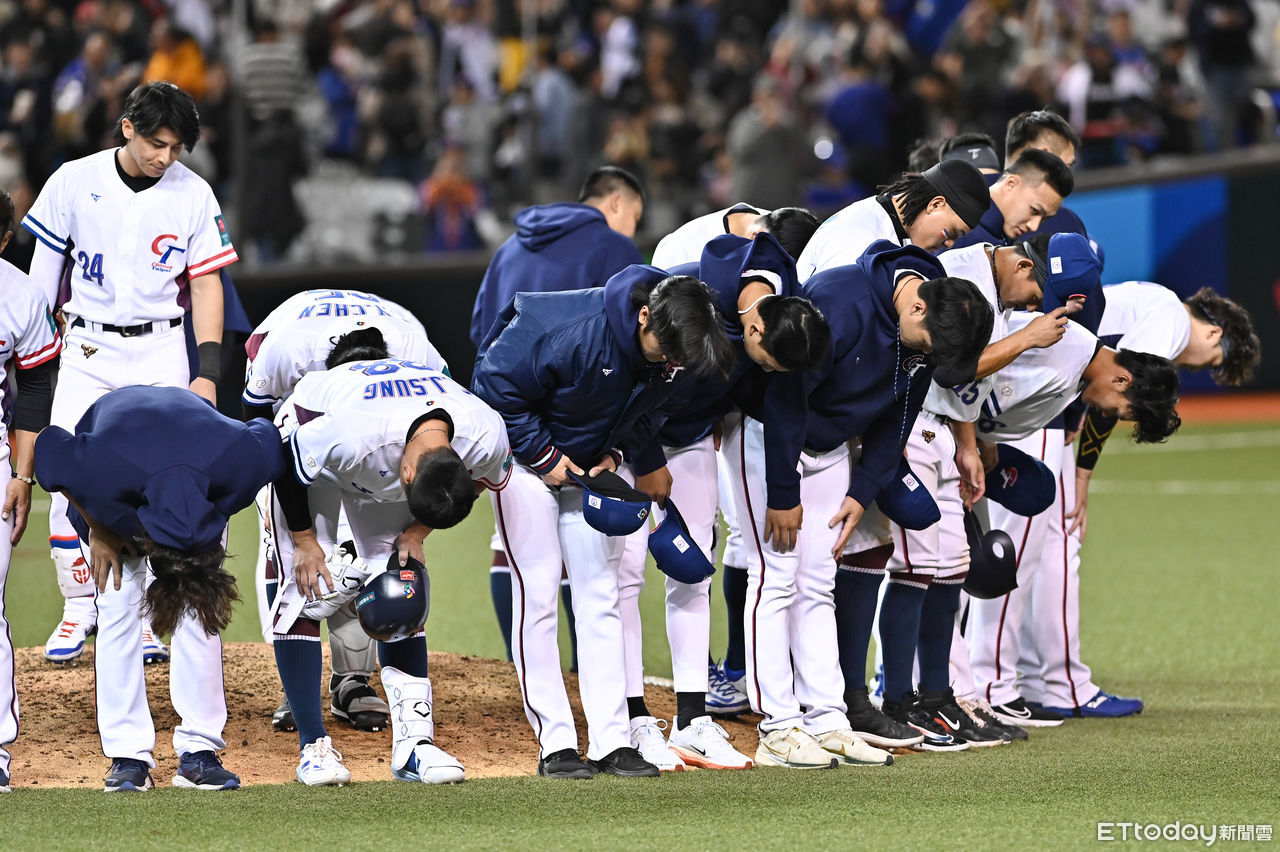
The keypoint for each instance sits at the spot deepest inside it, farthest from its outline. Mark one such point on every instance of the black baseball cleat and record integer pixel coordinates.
(565, 763)
(982, 711)
(625, 762)
(1018, 712)
(936, 737)
(875, 727)
(944, 709)
(357, 704)
(282, 719)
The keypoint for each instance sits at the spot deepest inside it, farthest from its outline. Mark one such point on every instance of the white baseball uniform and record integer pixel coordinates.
(685, 244)
(843, 238)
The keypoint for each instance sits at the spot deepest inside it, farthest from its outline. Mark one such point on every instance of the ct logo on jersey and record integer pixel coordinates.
(670, 370)
(164, 250)
(911, 364)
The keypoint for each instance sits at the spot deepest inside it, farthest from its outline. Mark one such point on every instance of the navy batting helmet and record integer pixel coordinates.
(993, 564)
(394, 604)
(674, 550)
(906, 501)
(610, 505)
(1021, 483)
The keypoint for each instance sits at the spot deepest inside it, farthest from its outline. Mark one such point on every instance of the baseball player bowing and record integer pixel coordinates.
(311, 331)
(754, 285)
(791, 226)
(29, 341)
(891, 316)
(400, 449)
(575, 375)
(138, 233)
(152, 476)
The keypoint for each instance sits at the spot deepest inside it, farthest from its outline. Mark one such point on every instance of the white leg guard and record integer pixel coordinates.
(414, 756)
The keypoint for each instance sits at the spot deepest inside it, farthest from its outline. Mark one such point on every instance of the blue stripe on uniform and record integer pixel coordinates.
(49, 238)
(65, 544)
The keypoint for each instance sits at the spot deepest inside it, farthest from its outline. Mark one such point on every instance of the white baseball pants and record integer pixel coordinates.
(8, 687)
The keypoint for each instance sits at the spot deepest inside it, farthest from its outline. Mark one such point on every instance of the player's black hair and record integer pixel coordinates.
(1026, 127)
(155, 105)
(959, 320)
(683, 316)
(1036, 165)
(1152, 395)
(924, 155)
(7, 212)
(965, 140)
(606, 180)
(187, 582)
(791, 226)
(442, 492)
(913, 192)
(796, 333)
(362, 344)
(1241, 349)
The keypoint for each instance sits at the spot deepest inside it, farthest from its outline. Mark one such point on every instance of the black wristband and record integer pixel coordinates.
(210, 354)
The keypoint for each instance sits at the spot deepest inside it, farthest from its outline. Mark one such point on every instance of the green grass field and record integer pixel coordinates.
(1176, 587)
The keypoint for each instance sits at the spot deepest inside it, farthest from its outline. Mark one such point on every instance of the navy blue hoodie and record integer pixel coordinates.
(556, 247)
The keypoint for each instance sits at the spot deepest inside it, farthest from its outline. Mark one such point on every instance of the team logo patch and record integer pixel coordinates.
(364, 600)
(162, 247)
(222, 230)
(912, 363)
(928, 436)
(95, 196)
(406, 576)
(88, 350)
(408, 590)
(80, 571)
(670, 370)
(643, 513)
(1009, 475)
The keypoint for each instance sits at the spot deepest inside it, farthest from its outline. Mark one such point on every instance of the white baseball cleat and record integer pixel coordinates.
(321, 765)
(794, 748)
(850, 748)
(79, 620)
(414, 755)
(647, 738)
(430, 765)
(153, 650)
(705, 744)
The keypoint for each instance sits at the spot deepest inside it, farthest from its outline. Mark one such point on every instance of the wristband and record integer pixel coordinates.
(30, 480)
(210, 354)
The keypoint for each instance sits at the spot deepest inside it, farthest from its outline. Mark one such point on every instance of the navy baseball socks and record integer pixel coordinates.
(855, 594)
(900, 631)
(735, 600)
(298, 659)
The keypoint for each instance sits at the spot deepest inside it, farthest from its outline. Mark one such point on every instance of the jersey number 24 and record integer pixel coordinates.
(90, 267)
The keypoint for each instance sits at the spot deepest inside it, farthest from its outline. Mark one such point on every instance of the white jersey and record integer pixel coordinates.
(843, 238)
(348, 426)
(132, 253)
(685, 244)
(964, 402)
(1038, 385)
(299, 334)
(28, 335)
(1145, 317)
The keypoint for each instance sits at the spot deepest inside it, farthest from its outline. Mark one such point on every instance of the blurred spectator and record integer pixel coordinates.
(469, 123)
(976, 54)
(25, 105)
(175, 58)
(553, 103)
(1104, 102)
(469, 49)
(271, 73)
(398, 135)
(451, 201)
(860, 113)
(337, 81)
(1220, 30)
(1180, 99)
(272, 217)
(771, 156)
(619, 45)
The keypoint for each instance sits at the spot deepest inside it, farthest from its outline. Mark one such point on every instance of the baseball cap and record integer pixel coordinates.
(906, 501)
(982, 156)
(610, 505)
(675, 552)
(1069, 269)
(1020, 483)
(993, 563)
(963, 187)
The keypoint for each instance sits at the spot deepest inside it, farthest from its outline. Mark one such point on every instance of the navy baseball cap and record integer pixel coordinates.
(610, 505)
(394, 604)
(906, 501)
(1070, 270)
(977, 154)
(1020, 483)
(993, 562)
(674, 550)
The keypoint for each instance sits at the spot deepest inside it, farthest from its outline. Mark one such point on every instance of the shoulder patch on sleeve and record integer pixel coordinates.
(222, 230)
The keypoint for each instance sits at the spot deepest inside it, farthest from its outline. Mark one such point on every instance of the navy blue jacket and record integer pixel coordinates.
(159, 461)
(556, 247)
(870, 385)
(990, 230)
(566, 373)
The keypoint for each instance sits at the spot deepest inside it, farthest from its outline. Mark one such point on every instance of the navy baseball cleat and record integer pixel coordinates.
(1104, 705)
(1019, 712)
(626, 762)
(127, 776)
(565, 763)
(202, 770)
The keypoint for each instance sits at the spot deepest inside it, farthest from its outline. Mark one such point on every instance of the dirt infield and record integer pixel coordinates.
(1228, 408)
(479, 719)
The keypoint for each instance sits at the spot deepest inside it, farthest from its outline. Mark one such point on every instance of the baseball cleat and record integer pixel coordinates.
(565, 763)
(647, 738)
(794, 748)
(202, 770)
(430, 765)
(321, 765)
(725, 693)
(153, 650)
(1104, 705)
(282, 719)
(127, 776)
(936, 737)
(4, 782)
(851, 749)
(706, 745)
(955, 720)
(1018, 712)
(626, 762)
(981, 711)
(79, 621)
(877, 729)
(356, 703)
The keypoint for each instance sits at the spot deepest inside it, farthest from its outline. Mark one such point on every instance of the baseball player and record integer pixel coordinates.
(791, 226)
(753, 282)
(558, 247)
(887, 314)
(1206, 331)
(1026, 395)
(1027, 192)
(1045, 130)
(930, 210)
(297, 338)
(29, 341)
(575, 376)
(152, 475)
(400, 449)
(137, 233)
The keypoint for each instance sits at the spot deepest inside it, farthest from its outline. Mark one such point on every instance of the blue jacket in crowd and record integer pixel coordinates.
(556, 247)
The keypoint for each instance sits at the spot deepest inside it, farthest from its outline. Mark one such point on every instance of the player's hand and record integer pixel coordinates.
(657, 485)
(782, 527)
(1080, 513)
(409, 543)
(850, 515)
(558, 474)
(206, 389)
(17, 504)
(1047, 329)
(973, 479)
(308, 567)
(607, 464)
(106, 559)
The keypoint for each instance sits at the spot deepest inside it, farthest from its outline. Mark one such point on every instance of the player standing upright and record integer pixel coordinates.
(138, 234)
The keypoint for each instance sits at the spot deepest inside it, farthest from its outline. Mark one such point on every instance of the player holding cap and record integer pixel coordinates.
(575, 376)
(139, 232)
(400, 449)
